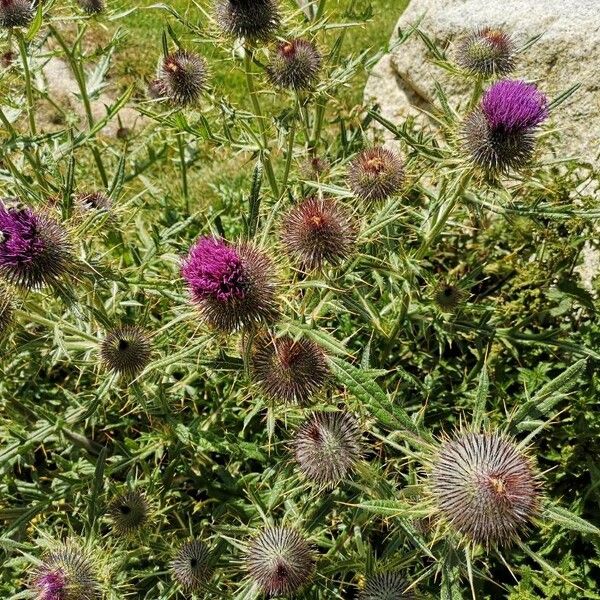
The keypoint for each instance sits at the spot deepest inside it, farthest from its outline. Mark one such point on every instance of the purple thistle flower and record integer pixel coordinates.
(234, 286)
(52, 585)
(34, 249)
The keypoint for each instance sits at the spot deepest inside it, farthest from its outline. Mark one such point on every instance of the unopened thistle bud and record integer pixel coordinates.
(318, 231)
(447, 297)
(288, 370)
(486, 52)
(376, 174)
(387, 586)
(499, 133)
(15, 13)
(126, 350)
(128, 512)
(34, 248)
(314, 167)
(327, 447)
(295, 65)
(280, 561)
(193, 567)
(93, 201)
(485, 487)
(66, 574)
(251, 19)
(183, 77)
(92, 7)
(233, 286)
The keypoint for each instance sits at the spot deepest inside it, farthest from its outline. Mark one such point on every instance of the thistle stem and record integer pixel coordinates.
(28, 87)
(184, 178)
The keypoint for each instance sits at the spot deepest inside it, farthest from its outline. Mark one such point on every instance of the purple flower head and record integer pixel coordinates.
(51, 585)
(514, 106)
(34, 250)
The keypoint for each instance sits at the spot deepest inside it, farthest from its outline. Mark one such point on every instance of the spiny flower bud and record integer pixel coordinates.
(15, 13)
(295, 65)
(318, 231)
(280, 561)
(234, 286)
(389, 585)
(66, 574)
(126, 350)
(192, 566)
(499, 134)
(486, 52)
(252, 19)
(183, 75)
(314, 167)
(6, 311)
(376, 174)
(128, 512)
(93, 201)
(447, 297)
(92, 7)
(288, 370)
(34, 248)
(327, 447)
(485, 487)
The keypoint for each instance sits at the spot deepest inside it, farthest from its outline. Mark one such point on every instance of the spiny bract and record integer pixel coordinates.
(376, 174)
(388, 585)
(128, 512)
(486, 52)
(295, 65)
(126, 350)
(252, 19)
(183, 77)
(192, 566)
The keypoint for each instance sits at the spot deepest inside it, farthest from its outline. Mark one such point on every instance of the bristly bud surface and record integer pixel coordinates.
(34, 248)
(376, 174)
(92, 7)
(318, 231)
(280, 561)
(93, 201)
(327, 446)
(251, 19)
(15, 13)
(233, 286)
(288, 370)
(314, 167)
(448, 296)
(485, 487)
(66, 574)
(499, 134)
(183, 76)
(486, 52)
(388, 585)
(192, 567)
(295, 65)
(126, 350)
(128, 512)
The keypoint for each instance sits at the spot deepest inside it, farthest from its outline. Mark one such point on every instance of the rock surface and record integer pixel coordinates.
(567, 53)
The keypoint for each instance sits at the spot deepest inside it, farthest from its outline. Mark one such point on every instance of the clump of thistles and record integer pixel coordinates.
(376, 174)
(295, 65)
(128, 512)
(327, 446)
(34, 248)
(499, 133)
(251, 19)
(485, 487)
(15, 13)
(234, 286)
(183, 77)
(280, 561)
(92, 7)
(318, 231)
(288, 370)
(66, 574)
(193, 567)
(486, 52)
(388, 585)
(126, 350)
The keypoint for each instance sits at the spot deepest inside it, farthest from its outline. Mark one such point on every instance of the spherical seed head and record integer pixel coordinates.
(387, 586)
(295, 65)
(15, 13)
(376, 174)
(128, 512)
(447, 297)
(252, 19)
(65, 574)
(280, 561)
(288, 370)
(6, 311)
(499, 134)
(184, 76)
(485, 487)
(34, 248)
(327, 446)
(126, 350)
(93, 201)
(486, 52)
(192, 566)
(92, 7)
(234, 286)
(318, 231)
